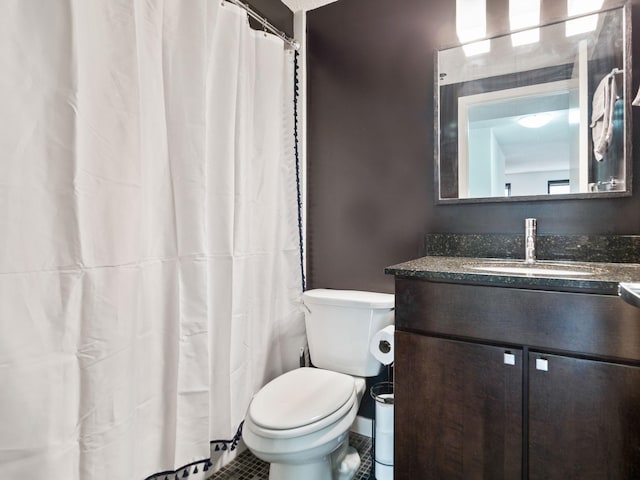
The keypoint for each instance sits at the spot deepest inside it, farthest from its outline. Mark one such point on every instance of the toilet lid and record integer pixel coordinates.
(300, 397)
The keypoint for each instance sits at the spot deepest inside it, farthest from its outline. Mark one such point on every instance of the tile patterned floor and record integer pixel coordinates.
(247, 467)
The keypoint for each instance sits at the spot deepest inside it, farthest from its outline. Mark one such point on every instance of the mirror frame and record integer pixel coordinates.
(628, 126)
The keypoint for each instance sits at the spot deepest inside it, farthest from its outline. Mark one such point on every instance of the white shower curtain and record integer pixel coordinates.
(149, 263)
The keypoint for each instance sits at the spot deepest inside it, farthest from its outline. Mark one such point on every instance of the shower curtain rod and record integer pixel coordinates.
(292, 42)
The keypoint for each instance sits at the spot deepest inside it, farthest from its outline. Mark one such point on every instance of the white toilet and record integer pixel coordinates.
(299, 422)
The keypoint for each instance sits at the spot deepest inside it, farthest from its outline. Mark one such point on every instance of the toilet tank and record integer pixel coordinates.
(340, 325)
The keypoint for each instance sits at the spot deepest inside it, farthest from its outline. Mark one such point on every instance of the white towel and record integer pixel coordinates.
(604, 99)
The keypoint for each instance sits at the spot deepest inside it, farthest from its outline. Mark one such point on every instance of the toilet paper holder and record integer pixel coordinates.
(382, 431)
(382, 392)
(384, 346)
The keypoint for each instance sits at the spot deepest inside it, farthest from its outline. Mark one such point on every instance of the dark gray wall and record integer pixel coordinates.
(276, 12)
(370, 143)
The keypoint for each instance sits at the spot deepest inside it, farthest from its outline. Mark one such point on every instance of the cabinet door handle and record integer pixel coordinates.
(509, 358)
(542, 364)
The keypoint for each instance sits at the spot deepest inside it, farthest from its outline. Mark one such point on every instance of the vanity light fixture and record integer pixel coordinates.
(471, 24)
(535, 120)
(523, 14)
(578, 7)
(580, 25)
(586, 24)
(471, 20)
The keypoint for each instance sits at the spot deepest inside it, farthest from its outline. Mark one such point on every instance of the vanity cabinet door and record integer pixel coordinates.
(458, 410)
(584, 419)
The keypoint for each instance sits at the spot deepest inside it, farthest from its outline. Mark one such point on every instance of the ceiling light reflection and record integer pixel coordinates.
(536, 120)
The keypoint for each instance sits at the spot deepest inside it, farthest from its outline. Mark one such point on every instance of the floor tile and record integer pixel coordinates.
(247, 467)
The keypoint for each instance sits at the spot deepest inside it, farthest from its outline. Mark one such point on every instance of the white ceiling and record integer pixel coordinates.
(303, 5)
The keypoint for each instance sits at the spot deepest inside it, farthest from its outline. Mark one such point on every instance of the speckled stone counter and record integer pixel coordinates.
(579, 248)
(602, 278)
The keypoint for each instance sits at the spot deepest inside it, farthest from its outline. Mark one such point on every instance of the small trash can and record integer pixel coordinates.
(382, 446)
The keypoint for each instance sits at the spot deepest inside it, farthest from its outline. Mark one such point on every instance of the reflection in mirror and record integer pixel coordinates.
(536, 120)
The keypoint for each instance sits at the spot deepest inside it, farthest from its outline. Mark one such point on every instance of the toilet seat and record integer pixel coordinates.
(301, 401)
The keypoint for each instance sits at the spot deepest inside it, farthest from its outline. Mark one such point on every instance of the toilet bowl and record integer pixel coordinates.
(299, 422)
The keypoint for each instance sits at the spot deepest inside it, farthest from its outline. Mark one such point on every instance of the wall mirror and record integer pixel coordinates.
(539, 114)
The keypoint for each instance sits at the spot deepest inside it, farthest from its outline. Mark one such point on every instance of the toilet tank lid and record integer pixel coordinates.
(348, 298)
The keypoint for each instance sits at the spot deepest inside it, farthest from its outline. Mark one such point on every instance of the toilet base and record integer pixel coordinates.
(342, 464)
(319, 470)
(346, 466)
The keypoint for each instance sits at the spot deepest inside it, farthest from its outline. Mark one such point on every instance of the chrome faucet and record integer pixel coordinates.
(530, 233)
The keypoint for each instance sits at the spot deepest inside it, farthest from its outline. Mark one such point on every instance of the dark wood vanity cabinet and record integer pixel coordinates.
(505, 383)
(584, 419)
(459, 410)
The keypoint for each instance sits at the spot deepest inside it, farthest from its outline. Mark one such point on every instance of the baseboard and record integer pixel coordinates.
(362, 426)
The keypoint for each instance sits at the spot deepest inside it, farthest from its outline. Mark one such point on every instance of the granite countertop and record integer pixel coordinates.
(582, 277)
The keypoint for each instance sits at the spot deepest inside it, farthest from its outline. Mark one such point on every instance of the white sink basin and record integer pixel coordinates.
(518, 267)
(630, 293)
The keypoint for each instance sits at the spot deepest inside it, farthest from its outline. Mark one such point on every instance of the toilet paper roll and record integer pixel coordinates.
(384, 433)
(384, 472)
(382, 346)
